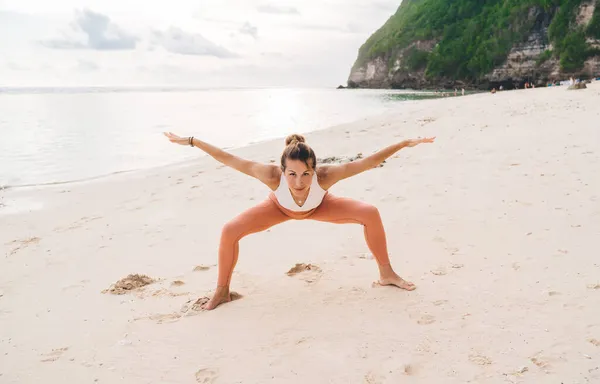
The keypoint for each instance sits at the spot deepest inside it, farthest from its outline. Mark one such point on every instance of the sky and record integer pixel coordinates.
(204, 43)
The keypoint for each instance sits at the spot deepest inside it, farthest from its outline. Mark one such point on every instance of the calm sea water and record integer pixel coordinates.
(60, 135)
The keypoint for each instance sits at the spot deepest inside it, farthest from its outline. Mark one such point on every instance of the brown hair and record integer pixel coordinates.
(297, 149)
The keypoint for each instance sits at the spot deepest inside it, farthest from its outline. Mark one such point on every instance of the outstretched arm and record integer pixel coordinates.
(335, 173)
(266, 173)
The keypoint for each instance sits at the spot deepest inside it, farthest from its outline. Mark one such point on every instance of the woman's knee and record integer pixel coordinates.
(371, 213)
(232, 230)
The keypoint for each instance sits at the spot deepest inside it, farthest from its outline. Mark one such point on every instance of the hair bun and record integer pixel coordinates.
(294, 138)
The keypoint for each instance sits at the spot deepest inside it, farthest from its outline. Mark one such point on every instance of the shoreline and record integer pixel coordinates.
(189, 162)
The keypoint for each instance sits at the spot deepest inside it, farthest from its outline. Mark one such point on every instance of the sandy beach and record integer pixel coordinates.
(497, 223)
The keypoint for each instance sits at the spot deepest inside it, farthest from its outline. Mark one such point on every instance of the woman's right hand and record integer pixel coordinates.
(173, 138)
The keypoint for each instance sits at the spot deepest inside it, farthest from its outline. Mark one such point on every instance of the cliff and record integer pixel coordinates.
(481, 44)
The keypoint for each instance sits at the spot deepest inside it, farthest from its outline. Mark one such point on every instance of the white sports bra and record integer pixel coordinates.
(313, 200)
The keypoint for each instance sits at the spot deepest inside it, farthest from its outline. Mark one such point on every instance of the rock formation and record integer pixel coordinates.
(538, 42)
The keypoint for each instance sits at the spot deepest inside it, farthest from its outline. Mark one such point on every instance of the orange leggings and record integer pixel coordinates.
(333, 209)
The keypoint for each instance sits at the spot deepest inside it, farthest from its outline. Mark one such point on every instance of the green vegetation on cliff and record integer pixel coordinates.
(474, 36)
(593, 29)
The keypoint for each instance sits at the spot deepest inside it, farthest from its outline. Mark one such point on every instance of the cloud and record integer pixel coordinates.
(277, 9)
(178, 41)
(96, 31)
(249, 29)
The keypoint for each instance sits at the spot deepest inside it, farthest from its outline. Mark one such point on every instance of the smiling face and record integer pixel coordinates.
(299, 177)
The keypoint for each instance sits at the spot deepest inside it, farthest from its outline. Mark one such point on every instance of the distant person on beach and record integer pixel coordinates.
(299, 190)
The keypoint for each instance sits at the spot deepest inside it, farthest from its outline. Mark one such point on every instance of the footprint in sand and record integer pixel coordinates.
(136, 284)
(518, 373)
(441, 271)
(130, 283)
(73, 287)
(206, 375)
(22, 244)
(409, 370)
(54, 355)
(426, 320)
(452, 250)
(593, 286)
(199, 268)
(372, 378)
(190, 308)
(310, 273)
(479, 359)
(539, 362)
(595, 342)
(160, 293)
(423, 347)
(161, 318)
(78, 224)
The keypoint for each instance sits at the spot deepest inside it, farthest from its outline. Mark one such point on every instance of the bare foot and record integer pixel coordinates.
(398, 282)
(221, 296)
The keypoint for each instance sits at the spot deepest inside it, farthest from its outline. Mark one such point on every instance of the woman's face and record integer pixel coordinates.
(298, 177)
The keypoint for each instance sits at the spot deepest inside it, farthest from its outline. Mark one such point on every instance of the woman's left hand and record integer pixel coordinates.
(414, 142)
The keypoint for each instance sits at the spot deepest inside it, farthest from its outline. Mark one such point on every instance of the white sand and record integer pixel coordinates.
(498, 224)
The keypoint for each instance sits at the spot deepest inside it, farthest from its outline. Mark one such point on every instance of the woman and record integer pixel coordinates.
(299, 190)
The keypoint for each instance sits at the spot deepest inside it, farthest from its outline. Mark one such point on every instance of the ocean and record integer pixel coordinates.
(54, 135)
